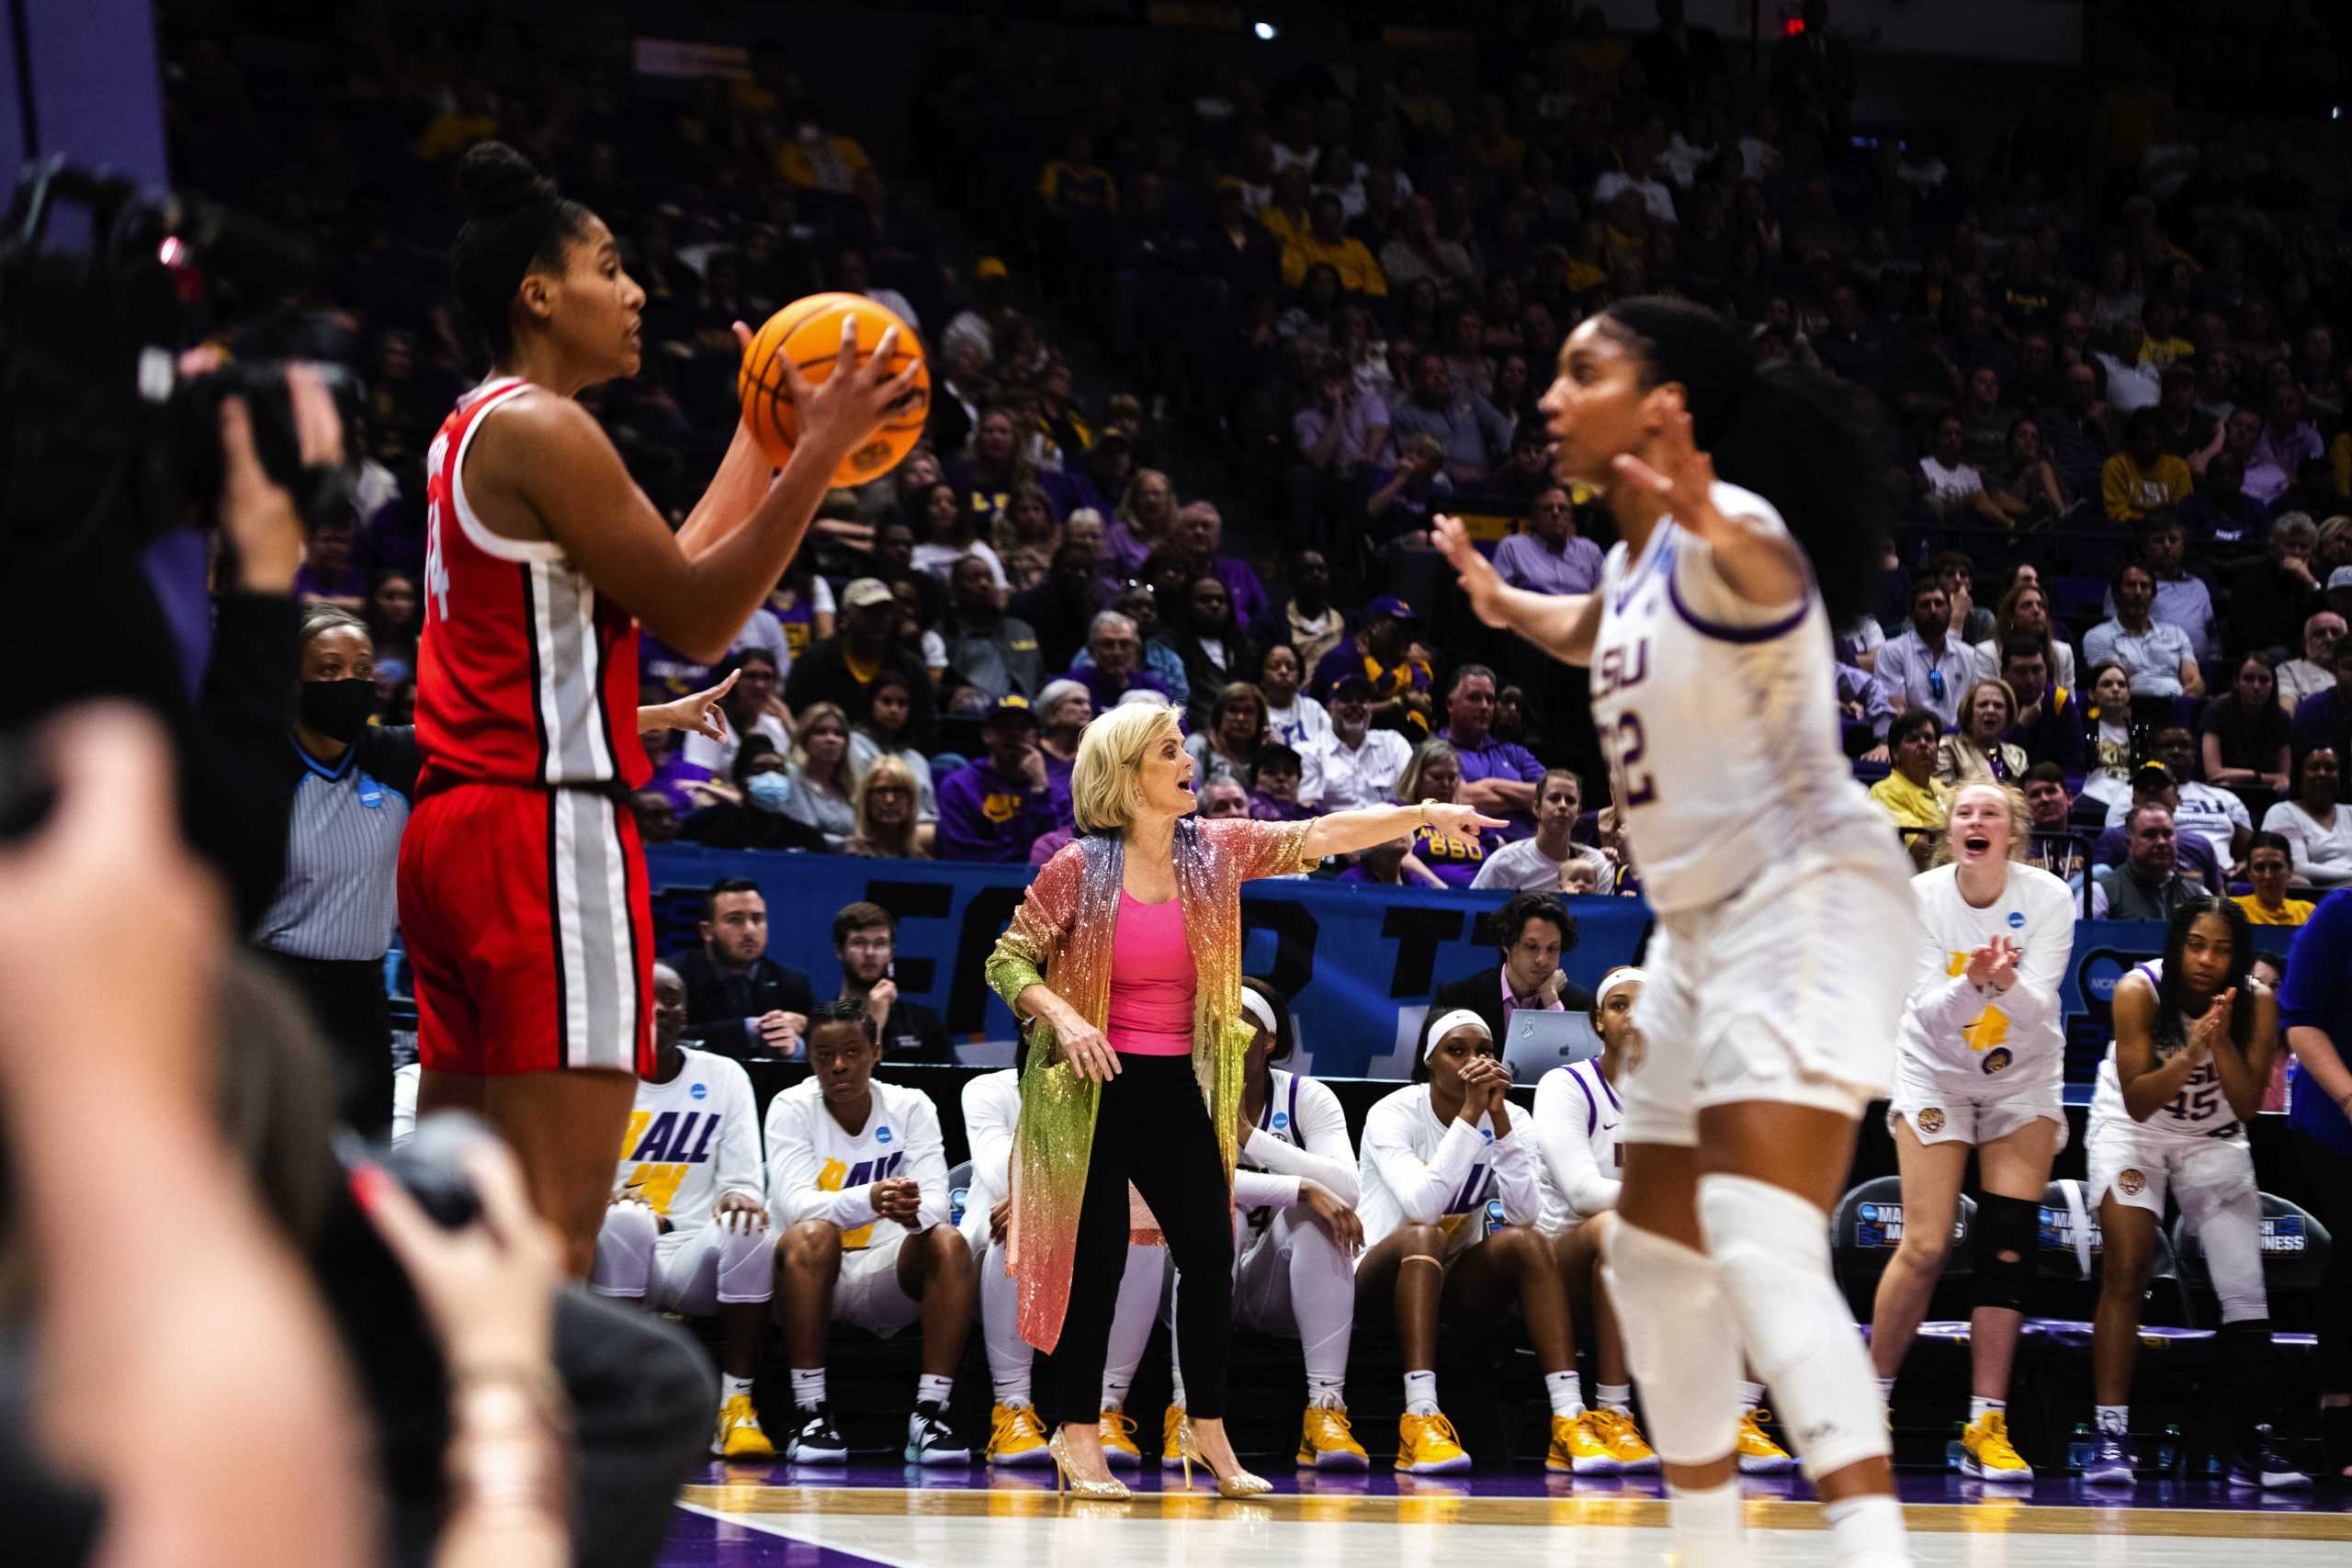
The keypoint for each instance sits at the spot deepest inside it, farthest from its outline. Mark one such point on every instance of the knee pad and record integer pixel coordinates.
(1771, 1249)
(746, 1265)
(625, 1251)
(1680, 1341)
(2010, 1225)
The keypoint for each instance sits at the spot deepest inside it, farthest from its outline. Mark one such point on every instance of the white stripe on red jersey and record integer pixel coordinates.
(525, 673)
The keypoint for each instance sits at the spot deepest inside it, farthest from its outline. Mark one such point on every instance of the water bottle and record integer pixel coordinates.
(2168, 1451)
(2078, 1450)
(1953, 1452)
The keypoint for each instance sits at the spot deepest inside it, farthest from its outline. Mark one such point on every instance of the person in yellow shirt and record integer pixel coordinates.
(1328, 242)
(817, 158)
(1914, 799)
(2143, 477)
(2269, 860)
(1074, 183)
(1286, 216)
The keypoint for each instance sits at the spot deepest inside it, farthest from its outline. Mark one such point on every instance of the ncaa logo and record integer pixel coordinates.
(700, 1091)
(1866, 1212)
(1282, 1119)
(1488, 1134)
(1997, 1060)
(881, 1134)
(2017, 919)
(2130, 1182)
(1931, 1120)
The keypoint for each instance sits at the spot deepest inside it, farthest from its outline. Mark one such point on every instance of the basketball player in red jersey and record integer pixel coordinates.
(521, 880)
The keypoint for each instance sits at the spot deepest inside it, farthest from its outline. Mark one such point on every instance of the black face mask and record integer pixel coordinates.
(338, 709)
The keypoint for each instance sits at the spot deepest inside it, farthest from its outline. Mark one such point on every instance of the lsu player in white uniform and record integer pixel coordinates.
(857, 1187)
(1295, 1231)
(1785, 930)
(687, 1228)
(1016, 1435)
(2195, 1036)
(1980, 1064)
(1435, 1151)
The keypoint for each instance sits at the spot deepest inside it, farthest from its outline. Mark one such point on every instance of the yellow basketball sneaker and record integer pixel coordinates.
(1986, 1452)
(1426, 1445)
(738, 1435)
(1118, 1433)
(1017, 1438)
(1171, 1422)
(1760, 1455)
(1616, 1430)
(1324, 1441)
(1578, 1450)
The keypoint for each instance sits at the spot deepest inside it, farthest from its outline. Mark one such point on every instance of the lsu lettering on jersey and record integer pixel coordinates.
(816, 1170)
(692, 1140)
(1579, 1125)
(2198, 1111)
(1719, 720)
(1417, 1170)
(526, 674)
(1974, 1046)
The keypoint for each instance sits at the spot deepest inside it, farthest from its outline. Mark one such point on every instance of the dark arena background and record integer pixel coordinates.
(1223, 307)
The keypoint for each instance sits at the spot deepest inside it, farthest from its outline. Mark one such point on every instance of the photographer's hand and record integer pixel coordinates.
(258, 518)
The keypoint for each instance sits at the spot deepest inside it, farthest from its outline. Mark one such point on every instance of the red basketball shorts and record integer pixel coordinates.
(528, 931)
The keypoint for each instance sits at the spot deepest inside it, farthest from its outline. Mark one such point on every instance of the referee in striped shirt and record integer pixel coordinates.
(332, 920)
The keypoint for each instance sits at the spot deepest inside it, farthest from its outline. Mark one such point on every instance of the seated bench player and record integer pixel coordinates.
(857, 1189)
(687, 1228)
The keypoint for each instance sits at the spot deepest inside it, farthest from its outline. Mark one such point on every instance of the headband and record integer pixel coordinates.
(1457, 1019)
(1629, 975)
(1257, 1007)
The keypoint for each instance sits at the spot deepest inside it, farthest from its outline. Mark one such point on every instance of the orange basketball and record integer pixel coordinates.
(810, 331)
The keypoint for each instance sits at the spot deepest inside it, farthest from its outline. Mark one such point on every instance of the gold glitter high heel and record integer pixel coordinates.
(1240, 1483)
(1065, 1475)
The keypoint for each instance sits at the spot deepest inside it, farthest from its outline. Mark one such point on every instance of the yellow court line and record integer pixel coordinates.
(1994, 1517)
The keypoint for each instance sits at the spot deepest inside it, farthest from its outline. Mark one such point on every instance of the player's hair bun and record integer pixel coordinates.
(496, 180)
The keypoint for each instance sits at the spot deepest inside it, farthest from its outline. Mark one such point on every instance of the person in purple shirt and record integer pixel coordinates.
(1548, 556)
(992, 808)
(1276, 774)
(330, 571)
(1497, 777)
(2287, 442)
(1199, 528)
(2315, 1015)
(1115, 650)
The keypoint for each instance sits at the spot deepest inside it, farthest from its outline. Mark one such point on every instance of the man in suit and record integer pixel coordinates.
(1532, 931)
(741, 1003)
(865, 938)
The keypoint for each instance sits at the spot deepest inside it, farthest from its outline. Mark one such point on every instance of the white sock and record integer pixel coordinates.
(1866, 1531)
(1567, 1392)
(1327, 1393)
(1114, 1390)
(807, 1387)
(1421, 1394)
(1176, 1384)
(1978, 1404)
(934, 1388)
(1751, 1395)
(1617, 1396)
(1706, 1525)
(2115, 1420)
(1886, 1390)
(730, 1386)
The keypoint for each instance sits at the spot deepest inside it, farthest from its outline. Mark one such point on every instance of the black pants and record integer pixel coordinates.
(347, 1002)
(2329, 1172)
(1154, 1131)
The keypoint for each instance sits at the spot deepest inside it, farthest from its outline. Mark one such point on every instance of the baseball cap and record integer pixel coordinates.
(1389, 605)
(2152, 775)
(1353, 688)
(865, 593)
(2340, 578)
(1013, 704)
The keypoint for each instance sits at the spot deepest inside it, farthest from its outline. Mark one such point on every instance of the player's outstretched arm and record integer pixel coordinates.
(1761, 567)
(1561, 625)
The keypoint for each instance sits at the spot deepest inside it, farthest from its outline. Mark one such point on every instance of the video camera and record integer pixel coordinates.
(103, 286)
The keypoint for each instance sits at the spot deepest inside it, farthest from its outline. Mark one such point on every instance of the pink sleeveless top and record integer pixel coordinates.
(1151, 980)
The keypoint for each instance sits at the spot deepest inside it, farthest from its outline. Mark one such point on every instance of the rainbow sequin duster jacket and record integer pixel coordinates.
(1061, 938)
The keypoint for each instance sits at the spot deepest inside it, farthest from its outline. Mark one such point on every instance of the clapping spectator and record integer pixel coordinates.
(2144, 478)
(887, 822)
(2317, 828)
(1227, 741)
(1927, 666)
(2314, 672)
(2245, 744)
(2155, 654)
(994, 807)
(1548, 556)
(883, 733)
(1975, 752)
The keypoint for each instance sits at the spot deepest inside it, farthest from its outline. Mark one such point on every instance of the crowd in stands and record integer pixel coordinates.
(2117, 412)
